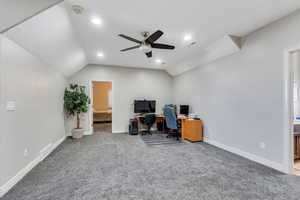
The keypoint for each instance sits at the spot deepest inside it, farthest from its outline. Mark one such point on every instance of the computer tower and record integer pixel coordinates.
(160, 125)
(133, 127)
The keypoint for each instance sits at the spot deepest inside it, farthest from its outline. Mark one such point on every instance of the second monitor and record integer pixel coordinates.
(184, 109)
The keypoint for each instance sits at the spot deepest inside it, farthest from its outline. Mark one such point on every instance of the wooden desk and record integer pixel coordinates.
(159, 119)
(191, 129)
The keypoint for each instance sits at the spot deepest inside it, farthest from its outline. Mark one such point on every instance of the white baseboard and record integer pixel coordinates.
(43, 154)
(119, 131)
(88, 132)
(14, 180)
(58, 142)
(46, 151)
(278, 166)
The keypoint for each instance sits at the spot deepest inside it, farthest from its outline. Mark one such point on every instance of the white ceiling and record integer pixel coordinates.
(206, 20)
(15, 11)
(50, 37)
(70, 41)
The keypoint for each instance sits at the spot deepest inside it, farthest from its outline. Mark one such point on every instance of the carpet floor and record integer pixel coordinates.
(160, 139)
(122, 167)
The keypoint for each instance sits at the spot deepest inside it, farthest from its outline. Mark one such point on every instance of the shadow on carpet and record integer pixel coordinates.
(160, 139)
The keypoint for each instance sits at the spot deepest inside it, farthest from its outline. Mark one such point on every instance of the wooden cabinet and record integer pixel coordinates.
(192, 130)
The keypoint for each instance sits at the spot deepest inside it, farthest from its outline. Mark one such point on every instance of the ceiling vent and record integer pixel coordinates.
(192, 44)
(77, 9)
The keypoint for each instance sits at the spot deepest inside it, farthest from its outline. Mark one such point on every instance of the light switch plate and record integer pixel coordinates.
(262, 145)
(10, 105)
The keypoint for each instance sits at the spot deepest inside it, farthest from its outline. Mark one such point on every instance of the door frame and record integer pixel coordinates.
(92, 99)
(288, 115)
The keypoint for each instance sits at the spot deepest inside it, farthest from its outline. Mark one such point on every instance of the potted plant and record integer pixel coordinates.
(76, 102)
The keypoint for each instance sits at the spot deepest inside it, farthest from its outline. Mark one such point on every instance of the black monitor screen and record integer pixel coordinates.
(184, 109)
(144, 106)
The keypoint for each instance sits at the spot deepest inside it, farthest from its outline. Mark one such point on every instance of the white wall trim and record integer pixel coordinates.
(46, 151)
(43, 154)
(57, 143)
(85, 132)
(278, 166)
(288, 115)
(119, 131)
(14, 180)
(88, 132)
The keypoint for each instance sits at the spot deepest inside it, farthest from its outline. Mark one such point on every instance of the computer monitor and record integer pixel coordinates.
(184, 109)
(144, 106)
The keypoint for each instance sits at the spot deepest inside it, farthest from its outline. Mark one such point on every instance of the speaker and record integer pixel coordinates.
(133, 127)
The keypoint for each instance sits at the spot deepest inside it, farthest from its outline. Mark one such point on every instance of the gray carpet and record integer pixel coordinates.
(122, 167)
(158, 138)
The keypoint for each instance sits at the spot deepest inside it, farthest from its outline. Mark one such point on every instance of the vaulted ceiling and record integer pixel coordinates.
(13, 12)
(69, 41)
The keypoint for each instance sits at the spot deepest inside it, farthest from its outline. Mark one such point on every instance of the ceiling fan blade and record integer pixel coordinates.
(162, 46)
(130, 38)
(130, 48)
(154, 36)
(149, 54)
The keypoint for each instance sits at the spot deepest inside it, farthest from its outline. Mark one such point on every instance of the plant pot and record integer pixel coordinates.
(77, 133)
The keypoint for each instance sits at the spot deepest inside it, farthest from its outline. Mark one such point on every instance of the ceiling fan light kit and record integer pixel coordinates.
(147, 44)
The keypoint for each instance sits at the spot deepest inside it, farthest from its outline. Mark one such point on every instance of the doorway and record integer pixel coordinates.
(295, 64)
(102, 106)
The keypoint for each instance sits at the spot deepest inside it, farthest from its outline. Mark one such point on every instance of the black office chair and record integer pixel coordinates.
(149, 121)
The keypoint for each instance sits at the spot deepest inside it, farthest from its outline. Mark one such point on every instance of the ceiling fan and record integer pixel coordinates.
(147, 44)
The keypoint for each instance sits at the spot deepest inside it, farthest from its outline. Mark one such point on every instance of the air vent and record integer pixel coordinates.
(192, 44)
(77, 9)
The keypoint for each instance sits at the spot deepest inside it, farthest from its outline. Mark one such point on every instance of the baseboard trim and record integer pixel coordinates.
(14, 180)
(274, 165)
(119, 131)
(43, 154)
(88, 132)
(58, 142)
(46, 151)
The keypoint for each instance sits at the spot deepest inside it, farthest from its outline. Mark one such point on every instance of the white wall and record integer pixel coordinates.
(241, 97)
(128, 84)
(38, 120)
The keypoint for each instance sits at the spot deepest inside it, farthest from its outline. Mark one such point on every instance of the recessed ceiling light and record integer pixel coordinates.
(187, 37)
(158, 61)
(96, 20)
(100, 54)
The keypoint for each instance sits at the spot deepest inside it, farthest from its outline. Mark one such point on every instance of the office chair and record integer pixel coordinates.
(171, 119)
(149, 121)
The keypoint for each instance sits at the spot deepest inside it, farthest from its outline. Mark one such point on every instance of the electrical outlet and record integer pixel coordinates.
(25, 152)
(262, 145)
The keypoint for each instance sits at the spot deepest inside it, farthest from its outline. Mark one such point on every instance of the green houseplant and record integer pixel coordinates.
(76, 101)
